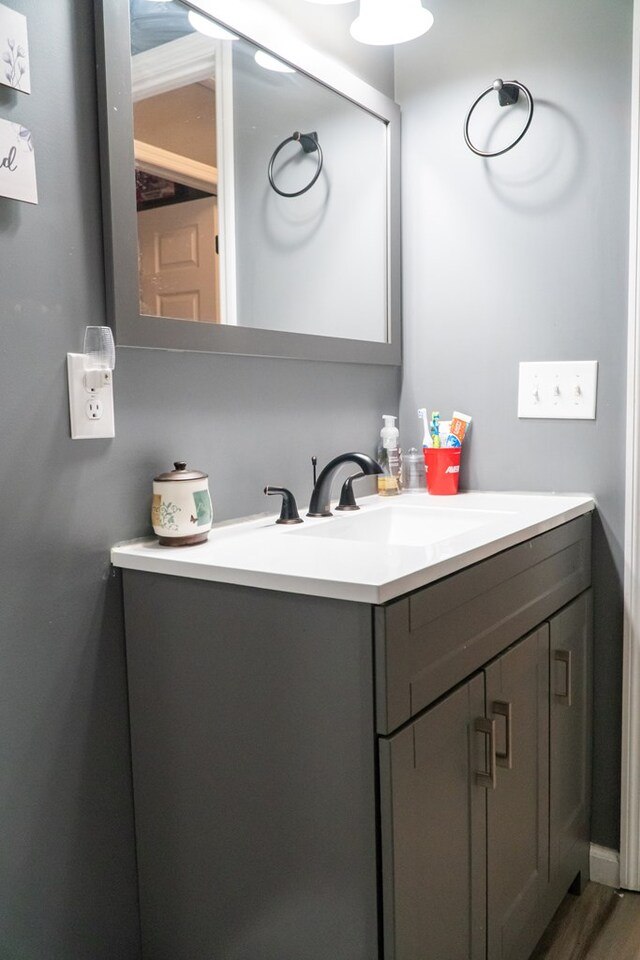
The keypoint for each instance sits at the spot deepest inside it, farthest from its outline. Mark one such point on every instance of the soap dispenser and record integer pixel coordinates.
(389, 458)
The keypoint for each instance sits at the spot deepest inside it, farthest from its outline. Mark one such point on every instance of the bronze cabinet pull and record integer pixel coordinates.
(564, 656)
(503, 709)
(484, 778)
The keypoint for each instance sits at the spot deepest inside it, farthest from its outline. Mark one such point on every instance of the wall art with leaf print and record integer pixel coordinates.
(14, 50)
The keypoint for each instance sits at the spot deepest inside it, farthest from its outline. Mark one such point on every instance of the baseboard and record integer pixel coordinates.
(604, 865)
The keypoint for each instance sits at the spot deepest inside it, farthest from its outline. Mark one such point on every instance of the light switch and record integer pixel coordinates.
(558, 390)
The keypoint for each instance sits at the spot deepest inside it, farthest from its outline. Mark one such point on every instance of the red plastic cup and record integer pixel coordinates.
(443, 469)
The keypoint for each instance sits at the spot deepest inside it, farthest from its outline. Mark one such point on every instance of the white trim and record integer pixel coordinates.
(604, 866)
(226, 172)
(175, 166)
(630, 773)
(190, 59)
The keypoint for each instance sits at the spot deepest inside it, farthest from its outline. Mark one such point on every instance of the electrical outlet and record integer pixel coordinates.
(90, 400)
(559, 390)
(94, 409)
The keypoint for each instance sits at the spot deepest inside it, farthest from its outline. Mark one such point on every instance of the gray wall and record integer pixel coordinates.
(67, 874)
(525, 258)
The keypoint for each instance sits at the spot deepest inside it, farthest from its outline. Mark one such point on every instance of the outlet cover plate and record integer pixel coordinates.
(83, 425)
(558, 390)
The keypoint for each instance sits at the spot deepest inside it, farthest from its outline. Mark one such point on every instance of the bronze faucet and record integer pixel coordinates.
(321, 496)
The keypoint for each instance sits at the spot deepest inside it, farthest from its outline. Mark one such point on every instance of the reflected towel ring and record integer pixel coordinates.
(310, 144)
(508, 93)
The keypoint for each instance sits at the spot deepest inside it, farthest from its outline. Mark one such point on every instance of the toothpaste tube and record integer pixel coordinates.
(459, 426)
(426, 439)
(435, 428)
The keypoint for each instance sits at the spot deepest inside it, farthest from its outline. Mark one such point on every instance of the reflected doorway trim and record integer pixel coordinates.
(226, 171)
(190, 59)
(630, 773)
(195, 59)
(175, 166)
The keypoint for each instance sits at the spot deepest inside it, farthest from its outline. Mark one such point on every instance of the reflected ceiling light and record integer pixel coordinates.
(384, 22)
(209, 27)
(265, 60)
(327, 2)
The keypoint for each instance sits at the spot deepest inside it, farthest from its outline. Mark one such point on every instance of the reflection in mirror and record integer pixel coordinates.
(216, 243)
(173, 80)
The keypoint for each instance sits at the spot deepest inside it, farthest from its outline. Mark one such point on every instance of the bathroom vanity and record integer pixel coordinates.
(398, 771)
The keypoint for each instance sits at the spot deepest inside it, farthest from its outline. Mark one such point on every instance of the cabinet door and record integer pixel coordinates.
(434, 833)
(570, 644)
(517, 692)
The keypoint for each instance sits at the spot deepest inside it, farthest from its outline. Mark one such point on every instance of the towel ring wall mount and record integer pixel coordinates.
(310, 144)
(508, 94)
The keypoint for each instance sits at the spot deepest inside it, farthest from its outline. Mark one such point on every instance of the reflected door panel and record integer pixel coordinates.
(177, 247)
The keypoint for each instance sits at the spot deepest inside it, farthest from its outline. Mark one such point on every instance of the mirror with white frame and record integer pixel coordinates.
(251, 191)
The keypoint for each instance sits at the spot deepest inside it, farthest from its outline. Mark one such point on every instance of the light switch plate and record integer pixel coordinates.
(558, 390)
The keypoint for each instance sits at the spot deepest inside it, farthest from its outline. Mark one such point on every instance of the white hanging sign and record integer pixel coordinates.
(17, 163)
(14, 50)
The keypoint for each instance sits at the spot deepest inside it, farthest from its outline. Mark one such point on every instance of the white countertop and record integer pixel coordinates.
(391, 546)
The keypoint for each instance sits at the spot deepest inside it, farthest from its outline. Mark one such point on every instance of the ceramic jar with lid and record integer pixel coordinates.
(181, 511)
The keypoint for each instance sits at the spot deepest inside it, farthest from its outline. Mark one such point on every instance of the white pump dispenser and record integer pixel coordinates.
(389, 434)
(389, 458)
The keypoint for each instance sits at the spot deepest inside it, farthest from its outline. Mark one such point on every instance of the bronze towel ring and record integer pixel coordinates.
(508, 93)
(310, 144)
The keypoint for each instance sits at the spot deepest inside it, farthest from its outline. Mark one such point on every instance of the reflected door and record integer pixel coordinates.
(179, 275)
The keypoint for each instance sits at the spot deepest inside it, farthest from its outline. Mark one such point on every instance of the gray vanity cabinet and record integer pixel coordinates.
(254, 772)
(477, 853)
(570, 737)
(467, 793)
(517, 692)
(314, 778)
(433, 817)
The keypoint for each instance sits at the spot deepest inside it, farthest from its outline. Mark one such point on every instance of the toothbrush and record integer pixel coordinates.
(426, 439)
(435, 428)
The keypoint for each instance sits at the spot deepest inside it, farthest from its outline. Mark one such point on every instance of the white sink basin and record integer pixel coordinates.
(387, 548)
(401, 525)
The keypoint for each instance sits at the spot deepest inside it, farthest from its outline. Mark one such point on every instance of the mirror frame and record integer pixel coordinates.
(119, 202)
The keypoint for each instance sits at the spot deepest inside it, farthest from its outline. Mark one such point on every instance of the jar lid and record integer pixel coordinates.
(414, 455)
(180, 473)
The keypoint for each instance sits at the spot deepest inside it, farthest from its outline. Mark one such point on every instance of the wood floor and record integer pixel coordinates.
(602, 924)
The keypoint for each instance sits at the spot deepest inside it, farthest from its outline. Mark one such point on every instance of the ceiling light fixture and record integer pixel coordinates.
(209, 27)
(385, 22)
(265, 60)
(327, 2)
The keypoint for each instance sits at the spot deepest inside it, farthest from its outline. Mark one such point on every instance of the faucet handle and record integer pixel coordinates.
(289, 512)
(347, 497)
